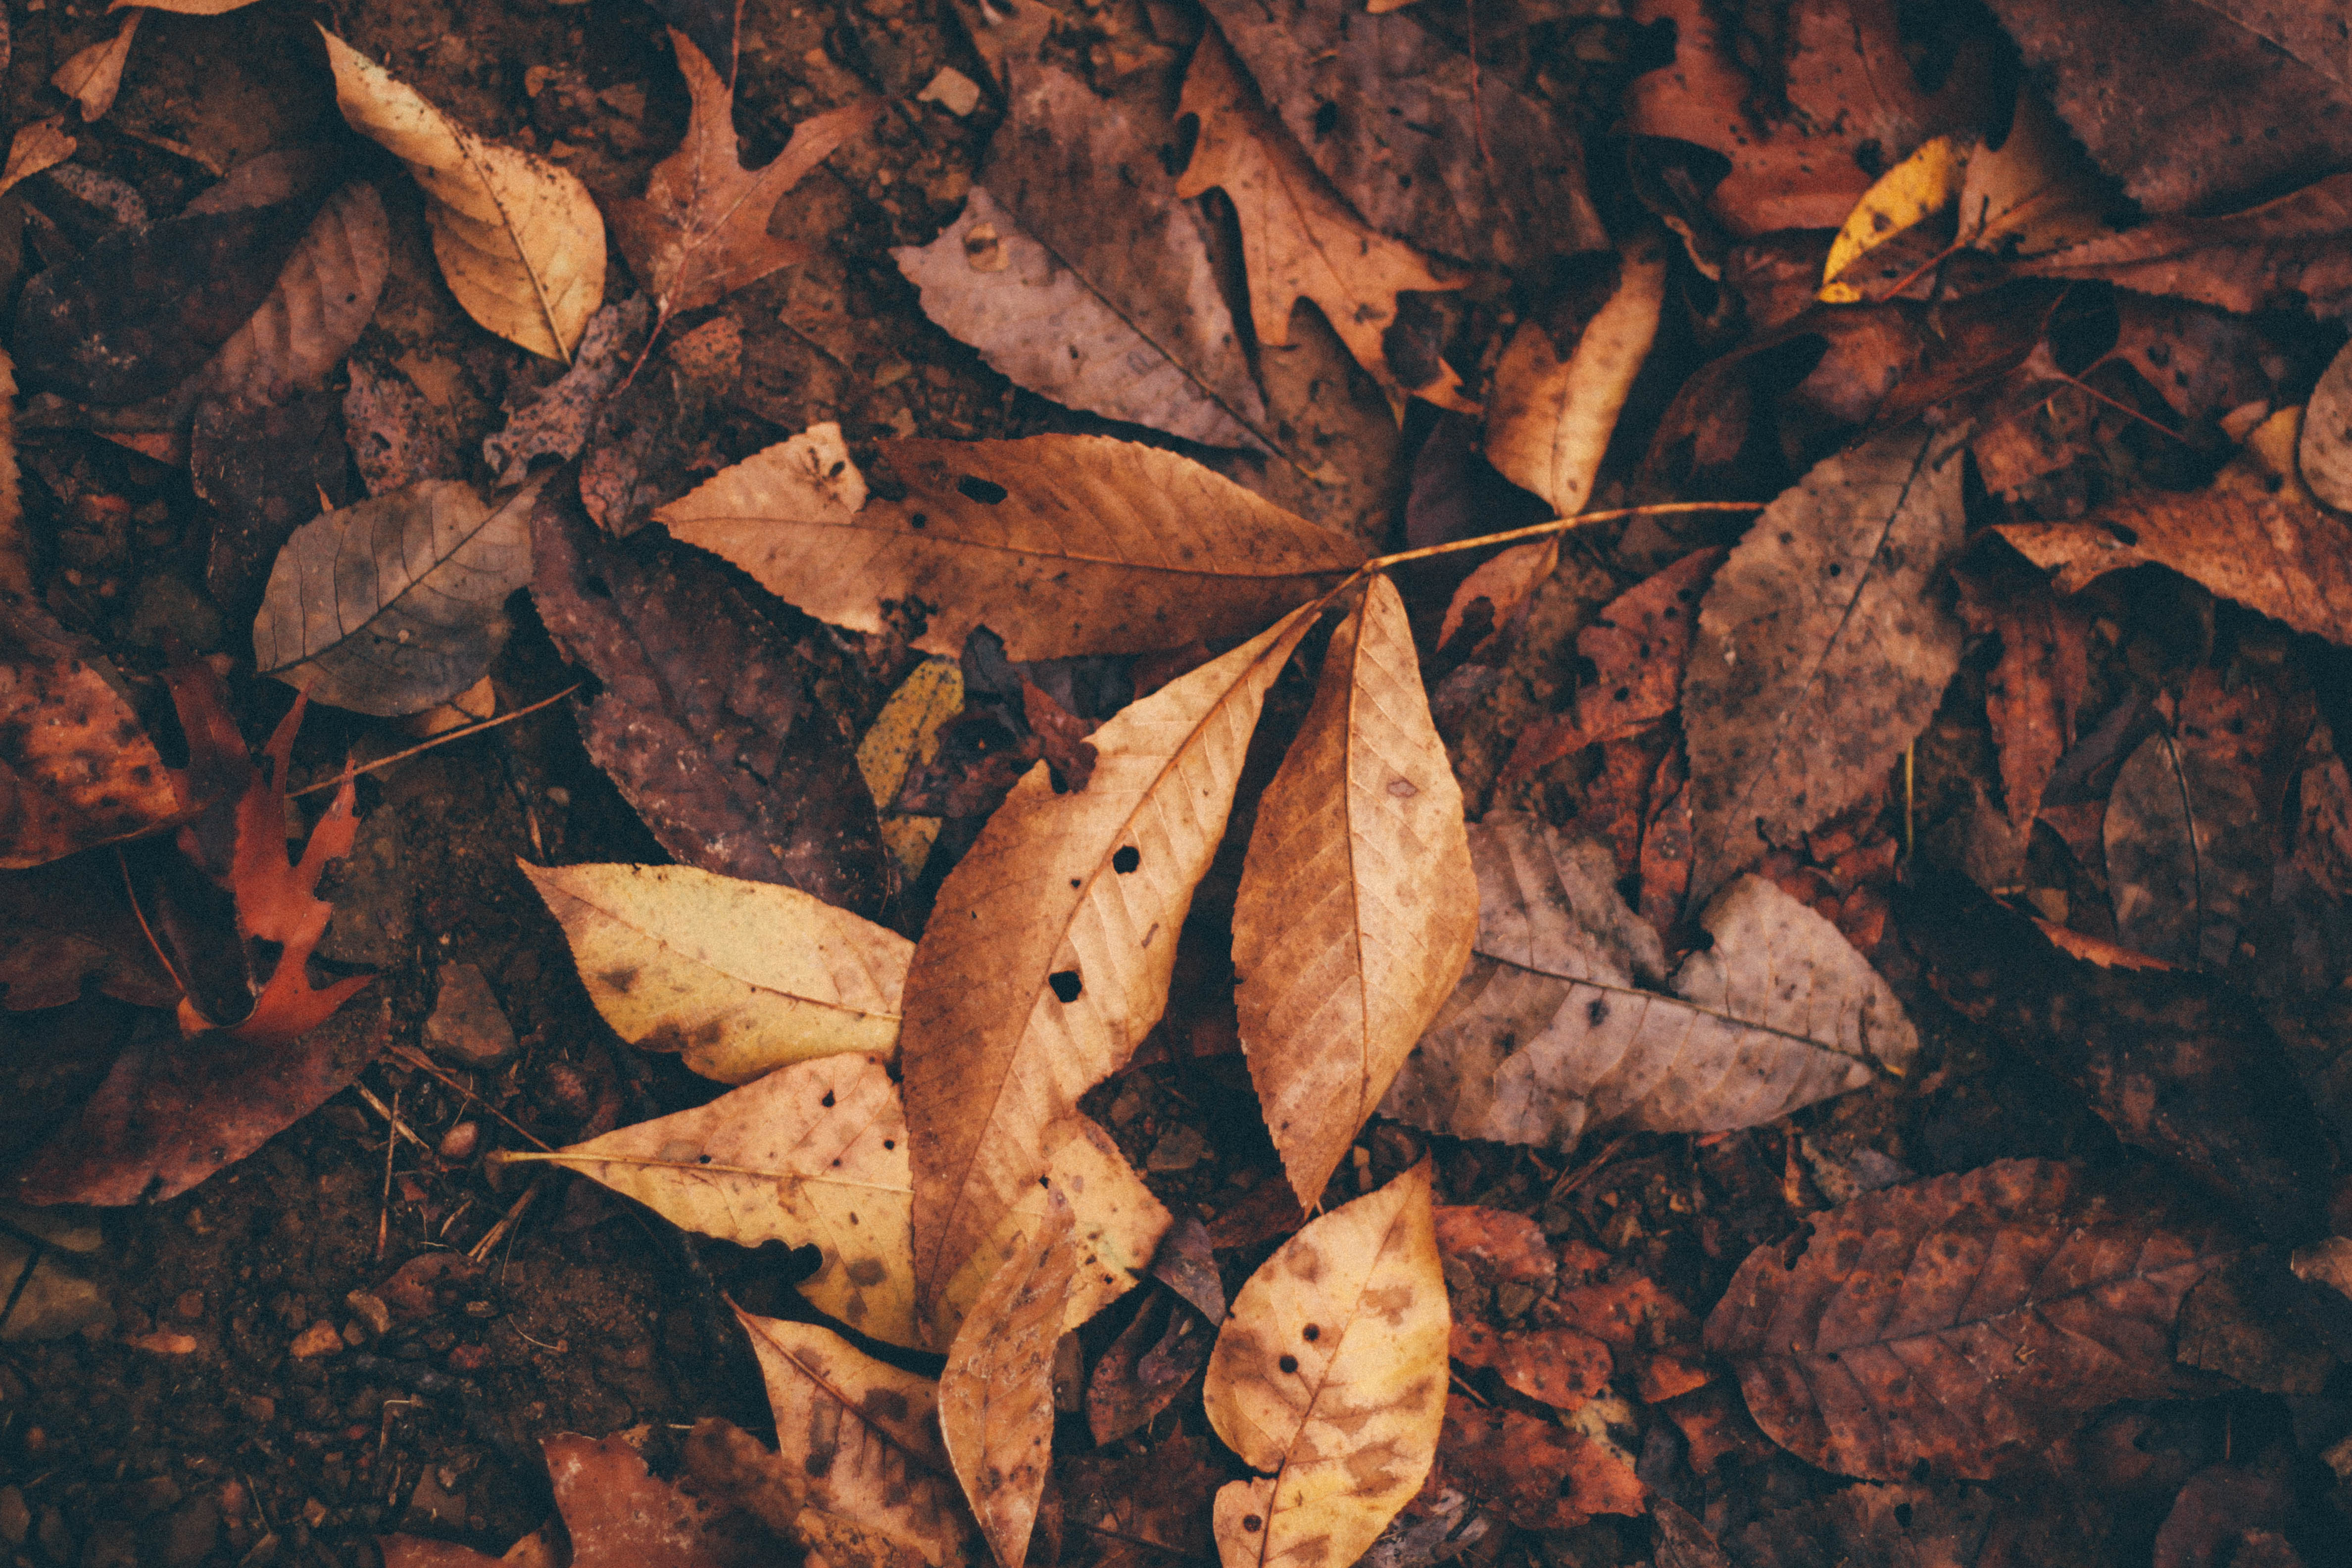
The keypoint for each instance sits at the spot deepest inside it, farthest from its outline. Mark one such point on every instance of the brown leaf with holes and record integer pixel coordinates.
(75, 768)
(1537, 1474)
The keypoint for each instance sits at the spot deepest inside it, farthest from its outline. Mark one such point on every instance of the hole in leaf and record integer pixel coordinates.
(1126, 858)
(1311, 1333)
(1251, 1524)
(828, 1100)
(1067, 985)
(988, 492)
(1288, 1363)
(921, 519)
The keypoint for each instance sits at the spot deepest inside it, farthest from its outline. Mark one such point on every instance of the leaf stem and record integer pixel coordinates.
(1557, 525)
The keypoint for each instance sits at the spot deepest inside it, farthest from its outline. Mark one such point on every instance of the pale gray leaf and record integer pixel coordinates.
(557, 421)
(393, 604)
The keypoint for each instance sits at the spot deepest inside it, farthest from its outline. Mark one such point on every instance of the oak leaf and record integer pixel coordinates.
(519, 240)
(2256, 534)
(1330, 1373)
(1358, 904)
(1299, 241)
(996, 1392)
(1060, 544)
(1955, 1327)
(700, 231)
(1010, 1019)
(1548, 1032)
(738, 977)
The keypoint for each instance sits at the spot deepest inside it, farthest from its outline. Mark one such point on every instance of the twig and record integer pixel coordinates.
(1577, 1178)
(1557, 525)
(440, 740)
(1477, 110)
(2124, 408)
(132, 894)
(392, 1114)
(496, 1233)
(391, 1148)
(414, 1059)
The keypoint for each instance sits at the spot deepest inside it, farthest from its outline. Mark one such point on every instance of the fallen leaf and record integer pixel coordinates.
(1145, 1506)
(1145, 1368)
(556, 421)
(42, 144)
(92, 76)
(1009, 1020)
(1060, 544)
(903, 735)
(1498, 1246)
(2035, 193)
(1914, 189)
(324, 295)
(2177, 1063)
(266, 469)
(1408, 131)
(2256, 535)
(2285, 253)
(520, 240)
(1793, 706)
(1884, 1349)
(1549, 419)
(76, 767)
(996, 1392)
(395, 437)
(1331, 1374)
(1298, 240)
(2041, 682)
(738, 977)
(729, 1466)
(1535, 1473)
(708, 720)
(2324, 452)
(620, 1515)
(867, 1434)
(1548, 1033)
(700, 231)
(1358, 905)
(1488, 599)
(2187, 853)
(393, 605)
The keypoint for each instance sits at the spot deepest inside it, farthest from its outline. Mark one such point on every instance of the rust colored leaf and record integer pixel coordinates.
(2288, 253)
(1497, 1245)
(1147, 1367)
(700, 231)
(2032, 694)
(1536, 1473)
(75, 768)
(92, 76)
(1898, 1338)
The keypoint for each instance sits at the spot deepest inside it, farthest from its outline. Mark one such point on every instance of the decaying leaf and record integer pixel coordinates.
(2035, 193)
(996, 1392)
(1548, 1032)
(75, 768)
(730, 1467)
(1329, 1377)
(2042, 680)
(1060, 544)
(92, 76)
(1358, 904)
(1299, 241)
(2022, 1522)
(1008, 1022)
(738, 977)
(2256, 534)
(1820, 651)
(2188, 852)
(1954, 1327)
(2286, 254)
(557, 420)
(1537, 1474)
(322, 300)
(392, 604)
(867, 1433)
(519, 240)
(700, 231)
(904, 735)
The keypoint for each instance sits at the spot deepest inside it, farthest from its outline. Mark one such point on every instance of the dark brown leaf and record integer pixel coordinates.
(2216, 1509)
(265, 470)
(2035, 1526)
(2286, 254)
(2042, 677)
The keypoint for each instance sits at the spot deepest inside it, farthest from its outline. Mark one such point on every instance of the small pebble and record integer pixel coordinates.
(459, 1141)
(189, 1306)
(321, 1338)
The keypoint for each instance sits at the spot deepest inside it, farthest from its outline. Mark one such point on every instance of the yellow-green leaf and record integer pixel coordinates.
(1922, 184)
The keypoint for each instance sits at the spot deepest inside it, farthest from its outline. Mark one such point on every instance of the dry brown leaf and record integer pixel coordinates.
(996, 1392)
(1011, 1017)
(904, 735)
(324, 297)
(1548, 1032)
(2324, 453)
(2289, 253)
(1299, 241)
(75, 768)
(867, 1433)
(700, 231)
(42, 145)
(1331, 1374)
(1549, 419)
(519, 240)
(814, 1154)
(1060, 544)
(2256, 534)
(1358, 904)
(740, 977)
(2035, 193)
(92, 76)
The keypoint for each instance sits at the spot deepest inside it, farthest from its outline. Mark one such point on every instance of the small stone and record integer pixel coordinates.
(189, 1306)
(468, 1027)
(372, 1311)
(459, 1141)
(951, 91)
(321, 1338)
(355, 1333)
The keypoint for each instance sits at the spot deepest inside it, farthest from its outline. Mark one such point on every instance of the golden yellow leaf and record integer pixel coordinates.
(519, 240)
(1923, 184)
(1060, 544)
(814, 1154)
(1550, 419)
(42, 145)
(906, 732)
(996, 1392)
(1299, 240)
(740, 977)
(1358, 904)
(92, 76)
(1048, 954)
(867, 1434)
(1330, 1373)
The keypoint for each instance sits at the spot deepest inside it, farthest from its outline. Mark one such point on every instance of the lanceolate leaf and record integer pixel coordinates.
(1331, 1374)
(519, 240)
(1962, 1323)
(391, 605)
(740, 977)
(1060, 544)
(1358, 903)
(1820, 651)
(1010, 1018)
(1548, 1033)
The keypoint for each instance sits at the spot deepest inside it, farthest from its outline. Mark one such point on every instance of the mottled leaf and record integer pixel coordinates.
(996, 1392)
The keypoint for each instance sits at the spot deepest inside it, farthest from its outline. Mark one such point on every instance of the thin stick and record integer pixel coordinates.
(2123, 408)
(132, 894)
(1557, 525)
(409, 1055)
(1577, 1178)
(391, 1147)
(441, 739)
(496, 1233)
(392, 1114)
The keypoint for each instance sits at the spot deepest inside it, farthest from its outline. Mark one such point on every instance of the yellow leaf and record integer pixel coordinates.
(92, 76)
(2038, 192)
(1299, 240)
(740, 977)
(519, 240)
(906, 731)
(1331, 1374)
(42, 145)
(1922, 184)
(1048, 954)
(996, 1392)
(1550, 419)
(867, 1434)
(814, 1154)
(1358, 904)
(1060, 544)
